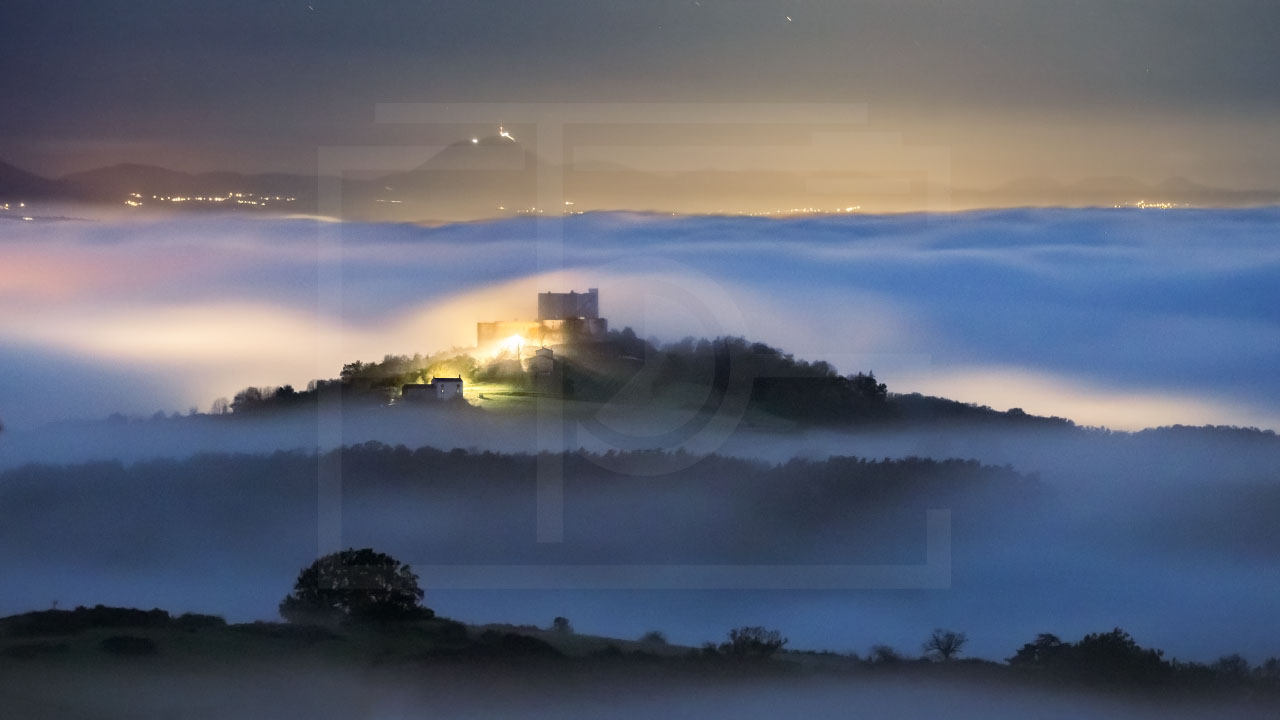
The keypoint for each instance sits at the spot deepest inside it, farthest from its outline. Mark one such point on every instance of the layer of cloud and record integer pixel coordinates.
(1114, 317)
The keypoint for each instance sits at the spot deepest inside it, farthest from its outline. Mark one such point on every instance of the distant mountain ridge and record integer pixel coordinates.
(114, 183)
(18, 183)
(465, 181)
(496, 176)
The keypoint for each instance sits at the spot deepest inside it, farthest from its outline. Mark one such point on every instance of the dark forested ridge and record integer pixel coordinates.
(458, 506)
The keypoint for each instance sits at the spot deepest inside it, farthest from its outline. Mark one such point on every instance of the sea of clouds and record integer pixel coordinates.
(1125, 318)
(1119, 317)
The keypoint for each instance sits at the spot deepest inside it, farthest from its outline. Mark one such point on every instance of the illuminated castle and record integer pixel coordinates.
(563, 318)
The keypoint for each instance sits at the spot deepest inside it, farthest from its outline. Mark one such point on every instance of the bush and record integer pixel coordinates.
(654, 637)
(1112, 657)
(884, 655)
(198, 621)
(510, 645)
(129, 645)
(70, 622)
(1233, 666)
(753, 641)
(1115, 656)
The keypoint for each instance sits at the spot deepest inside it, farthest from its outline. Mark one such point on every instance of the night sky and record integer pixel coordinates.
(1149, 89)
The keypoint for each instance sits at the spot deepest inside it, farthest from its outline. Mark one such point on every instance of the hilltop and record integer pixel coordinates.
(769, 387)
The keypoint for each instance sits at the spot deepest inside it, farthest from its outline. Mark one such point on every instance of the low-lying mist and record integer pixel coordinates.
(1168, 534)
(253, 691)
(1123, 318)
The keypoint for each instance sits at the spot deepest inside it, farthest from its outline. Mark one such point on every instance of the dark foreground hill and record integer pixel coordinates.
(101, 661)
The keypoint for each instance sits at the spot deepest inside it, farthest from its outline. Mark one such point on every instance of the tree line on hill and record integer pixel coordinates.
(759, 375)
(358, 382)
(364, 586)
(368, 589)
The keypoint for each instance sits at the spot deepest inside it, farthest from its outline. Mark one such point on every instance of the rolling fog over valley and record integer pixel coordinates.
(1108, 317)
(1108, 531)
(1118, 317)
(680, 359)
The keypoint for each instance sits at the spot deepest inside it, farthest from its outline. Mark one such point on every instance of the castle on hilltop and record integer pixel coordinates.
(563, 319)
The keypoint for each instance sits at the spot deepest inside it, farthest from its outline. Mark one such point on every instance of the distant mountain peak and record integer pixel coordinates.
(502, 137)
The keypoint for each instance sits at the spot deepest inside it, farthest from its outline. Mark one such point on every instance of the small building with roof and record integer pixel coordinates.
(440, 388)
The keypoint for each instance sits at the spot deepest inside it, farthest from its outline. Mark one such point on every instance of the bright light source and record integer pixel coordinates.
(512, 344)
(475, 140)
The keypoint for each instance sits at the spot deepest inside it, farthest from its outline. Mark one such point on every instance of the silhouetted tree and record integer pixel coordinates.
(1116, 656)
(350, 371)
(945, 644)
(1047, 649)
(357, 585)
(867, 386)
(630, 344)
(561, 625)
(250, 398)
(221, 406)
(753, 641)
(1233, 666)
(1112, 656)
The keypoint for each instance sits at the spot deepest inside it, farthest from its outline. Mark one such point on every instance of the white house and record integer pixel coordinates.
(441, 388)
